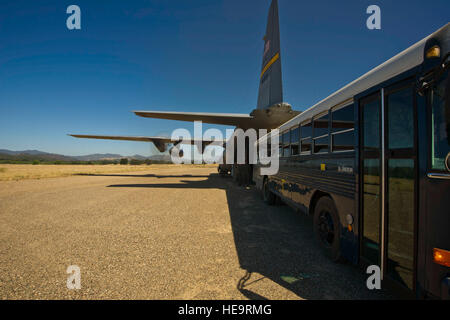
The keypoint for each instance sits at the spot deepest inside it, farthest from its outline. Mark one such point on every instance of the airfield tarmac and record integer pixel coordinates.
(166, 233)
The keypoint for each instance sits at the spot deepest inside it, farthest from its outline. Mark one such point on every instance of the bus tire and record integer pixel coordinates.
(269, 197)
(327, 228)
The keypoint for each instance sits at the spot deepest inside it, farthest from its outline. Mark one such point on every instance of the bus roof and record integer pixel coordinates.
(405, 60)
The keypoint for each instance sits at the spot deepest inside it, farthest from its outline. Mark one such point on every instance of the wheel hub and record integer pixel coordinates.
(326, 228)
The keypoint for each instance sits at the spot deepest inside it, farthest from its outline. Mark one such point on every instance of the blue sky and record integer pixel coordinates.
(202, 55)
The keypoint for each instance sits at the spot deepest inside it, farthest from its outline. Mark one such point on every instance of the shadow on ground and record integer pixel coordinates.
(141, 175)
(277, 243)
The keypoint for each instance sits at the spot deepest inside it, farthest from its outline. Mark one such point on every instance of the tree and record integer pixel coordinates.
(135, 162)
(124, 161)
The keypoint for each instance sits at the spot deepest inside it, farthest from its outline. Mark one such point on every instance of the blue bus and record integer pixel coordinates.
(370, 163)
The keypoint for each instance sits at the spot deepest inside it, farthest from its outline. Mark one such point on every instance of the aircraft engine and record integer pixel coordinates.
(176, 149)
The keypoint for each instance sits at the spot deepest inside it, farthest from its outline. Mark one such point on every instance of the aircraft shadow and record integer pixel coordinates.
(276, 243)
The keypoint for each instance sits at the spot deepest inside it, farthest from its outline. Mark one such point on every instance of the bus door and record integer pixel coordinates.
(434, 190)
(389, 186)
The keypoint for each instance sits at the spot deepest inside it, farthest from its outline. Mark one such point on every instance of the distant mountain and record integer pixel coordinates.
(139, 157)
(31, 152)
(30, 155)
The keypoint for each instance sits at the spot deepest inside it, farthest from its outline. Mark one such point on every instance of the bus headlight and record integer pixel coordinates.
(433, 52)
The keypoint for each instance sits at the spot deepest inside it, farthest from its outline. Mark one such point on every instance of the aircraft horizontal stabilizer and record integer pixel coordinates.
(231, 119)
(125, 138)
(159, 142)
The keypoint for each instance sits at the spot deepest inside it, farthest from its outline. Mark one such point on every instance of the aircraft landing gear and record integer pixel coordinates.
(242, 174)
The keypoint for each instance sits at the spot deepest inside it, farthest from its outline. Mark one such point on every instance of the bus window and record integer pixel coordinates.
(321, 126)
(306, 130)
(305, 134)
(343, 118)
(343, 141)
(321, 134)
(286, 144)
(306, 146)
(295, 141)
(401, 124)
(286, 152)
(342, 127)
(371, 126)
(321, 145)
(440, 118)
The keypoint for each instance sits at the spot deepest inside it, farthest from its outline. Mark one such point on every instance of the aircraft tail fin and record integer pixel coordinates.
(270, 82)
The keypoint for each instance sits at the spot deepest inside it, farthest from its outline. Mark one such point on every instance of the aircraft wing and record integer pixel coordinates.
(159, 142)
(230, 119)
(125, 138)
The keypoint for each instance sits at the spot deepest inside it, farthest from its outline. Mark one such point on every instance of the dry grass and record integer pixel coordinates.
(27, 171)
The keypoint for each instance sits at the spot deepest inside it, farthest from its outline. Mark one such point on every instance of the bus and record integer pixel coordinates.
(370, 163)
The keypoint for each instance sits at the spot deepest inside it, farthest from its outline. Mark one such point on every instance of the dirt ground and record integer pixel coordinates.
(164, 233)
(18, 172)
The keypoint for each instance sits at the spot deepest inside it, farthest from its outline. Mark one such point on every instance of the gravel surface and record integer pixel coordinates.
(166, 233)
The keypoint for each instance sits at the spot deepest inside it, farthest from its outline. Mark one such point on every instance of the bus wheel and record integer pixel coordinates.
(268, 195)
(326, 228)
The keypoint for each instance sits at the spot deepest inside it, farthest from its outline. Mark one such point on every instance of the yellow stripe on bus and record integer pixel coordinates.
(271, 62)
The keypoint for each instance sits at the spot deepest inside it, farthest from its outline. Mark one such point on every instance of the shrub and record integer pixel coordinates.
(136, 162)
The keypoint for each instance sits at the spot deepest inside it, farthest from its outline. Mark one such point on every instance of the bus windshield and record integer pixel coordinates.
(440, 117)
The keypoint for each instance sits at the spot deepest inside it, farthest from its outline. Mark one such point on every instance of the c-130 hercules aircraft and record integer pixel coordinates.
(269, 114)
